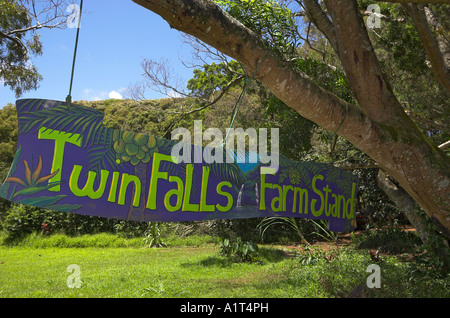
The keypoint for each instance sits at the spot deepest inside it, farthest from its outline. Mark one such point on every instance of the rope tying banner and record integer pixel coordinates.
(69, 97)
(247, 80)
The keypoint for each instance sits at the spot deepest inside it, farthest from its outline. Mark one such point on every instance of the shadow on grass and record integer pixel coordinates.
(272, 255)
(389, 241)
(265, 255)
(14, 239)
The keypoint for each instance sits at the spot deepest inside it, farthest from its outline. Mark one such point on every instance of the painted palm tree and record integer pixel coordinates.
(137, 150)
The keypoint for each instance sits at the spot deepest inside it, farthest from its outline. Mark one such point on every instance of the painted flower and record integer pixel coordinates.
(32, 179)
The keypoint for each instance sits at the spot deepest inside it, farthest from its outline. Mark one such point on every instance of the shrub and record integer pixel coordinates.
(241, 251)
(390, 241)
(22, 220)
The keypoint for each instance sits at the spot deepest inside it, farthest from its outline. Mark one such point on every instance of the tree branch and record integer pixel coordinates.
(438, 65)
(36, 27)
(15, 39)
(382, 130)
(381, 16)
(216, 99)
(213, 102)
(405, 204)
(205, 20)
(50, 14)
(361, 64)
(444, 145)
(315, 13)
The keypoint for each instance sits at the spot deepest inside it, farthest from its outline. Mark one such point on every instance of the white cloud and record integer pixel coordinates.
(94, 95)
(115, 95)
(173, 94)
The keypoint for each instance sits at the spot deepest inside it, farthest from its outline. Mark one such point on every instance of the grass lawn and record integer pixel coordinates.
(135, 272)
(114, 267)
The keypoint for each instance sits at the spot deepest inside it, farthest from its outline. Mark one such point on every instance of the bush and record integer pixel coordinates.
(22, 220)
(340, 272)
(390, 241)
(241, 251)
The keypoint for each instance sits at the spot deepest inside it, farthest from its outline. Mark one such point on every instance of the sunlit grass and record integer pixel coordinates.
(111, 266)
(132, 272)
(98, 240)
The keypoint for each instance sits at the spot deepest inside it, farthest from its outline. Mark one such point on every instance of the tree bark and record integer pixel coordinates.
(138, 213)
(437, 51)
(320, 19)
(405, 204)
(377, 126)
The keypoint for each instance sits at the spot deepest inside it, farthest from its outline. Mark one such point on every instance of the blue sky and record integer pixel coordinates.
(115, 37)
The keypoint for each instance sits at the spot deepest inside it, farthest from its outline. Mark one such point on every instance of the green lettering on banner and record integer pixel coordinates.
(60, 139)
(113, 190)
(96, 177)
(204, 188)
(226, 194)
(178, 192)
(350, 212)
(156, 175)
(126, 180)
(302, 200)
(318, 212)
(286, 189)
(264, 185)
(277, 204)
(187, 206)
(88, 189)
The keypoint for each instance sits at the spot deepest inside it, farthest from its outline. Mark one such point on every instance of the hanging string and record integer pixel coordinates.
(247, 81)
(69, 97)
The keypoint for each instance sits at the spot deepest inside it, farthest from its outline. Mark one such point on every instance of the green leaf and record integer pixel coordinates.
(42, 202)
(64, 207)
(5, 187)
(34, 190)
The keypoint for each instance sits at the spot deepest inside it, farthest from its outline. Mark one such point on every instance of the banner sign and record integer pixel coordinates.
(68, 161)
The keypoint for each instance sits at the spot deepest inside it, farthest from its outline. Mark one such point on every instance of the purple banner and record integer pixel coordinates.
(67, 160)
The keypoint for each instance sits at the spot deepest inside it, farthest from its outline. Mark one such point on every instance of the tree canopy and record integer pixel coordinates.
(19, 40)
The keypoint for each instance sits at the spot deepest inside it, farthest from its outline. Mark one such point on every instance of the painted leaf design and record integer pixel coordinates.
(37, 172)
(16, 180)
(42, 202)
(34, 190)
(46, 178)
(64, 207)
(27, 172)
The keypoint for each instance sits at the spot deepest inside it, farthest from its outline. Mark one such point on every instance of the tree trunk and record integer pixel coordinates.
(138, 213)
(377, 126)
(405, 204)
(437, 48)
